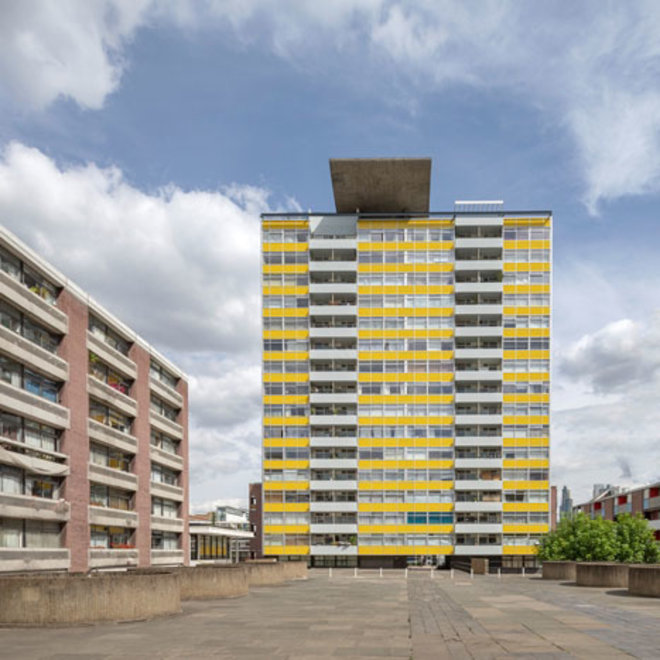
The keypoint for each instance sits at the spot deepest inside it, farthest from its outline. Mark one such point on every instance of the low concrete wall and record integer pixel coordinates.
(203, 582)
(267, 573)
(559, 570)
(644, 580)
(74, 599)
(601, 574)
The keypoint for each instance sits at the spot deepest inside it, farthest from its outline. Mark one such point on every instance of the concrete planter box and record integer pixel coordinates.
(68, 599)
(644, 580)
(601, 574)
(559, 570)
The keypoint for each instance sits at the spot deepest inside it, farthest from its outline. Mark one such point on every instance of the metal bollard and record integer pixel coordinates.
(381, 572)
(406, 573)
(451, 573)
(432, 573)
(355, 572)
(471, 573)
(499, 573)
(330, 573)
(523, 571)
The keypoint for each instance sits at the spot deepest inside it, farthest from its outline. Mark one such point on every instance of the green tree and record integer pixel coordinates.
(580, 538)
(635, 541)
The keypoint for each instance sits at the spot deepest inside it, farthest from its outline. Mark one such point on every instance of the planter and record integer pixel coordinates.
(559, 570)
(644, 580)
(601, 574)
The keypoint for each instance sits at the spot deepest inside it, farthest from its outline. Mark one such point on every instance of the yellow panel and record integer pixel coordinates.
(526, 332)
(286, 355)
(284, 465)
(293, 507)
(526, 463)
(285, 421)
(285, 268)
(404, 334)
(275, 399)
(526, 398)
(405, 355)
(286, 529)
(284, 247)
(294, 312)
(526, 311)
(286, 442)
(286, 549)
(376, 421)
(524, 267)
(406, 245)
(521, 222)
(526, 355)
(445, 377)
(405, 485)
(525, 442)
(284, 223)
(519, 550)
(405, 398)
(526, 419)
(286, 485)
(285, 290)
(286, 378)
(525, 485)
(405, 550)
(404, 463)
(285, 334)
(525, 506)
(543, 244)
(404, 288)
(536, 376)
(405, 506)
(399, 529)
(525, 529)
(526, 288)
(405, 442)
(406, 268)
(405, 311)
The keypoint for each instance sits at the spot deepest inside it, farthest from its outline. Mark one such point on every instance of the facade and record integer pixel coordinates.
(405, 375)
(93, 430)
(611, 501)
(223, 535)
(256, 520)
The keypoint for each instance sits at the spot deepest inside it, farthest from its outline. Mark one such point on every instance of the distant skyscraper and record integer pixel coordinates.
(406, 375)
(566, 506)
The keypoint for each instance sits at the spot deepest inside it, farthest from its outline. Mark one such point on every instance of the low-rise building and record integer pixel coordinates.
(93, 430)
(613, 500)
(223, 535)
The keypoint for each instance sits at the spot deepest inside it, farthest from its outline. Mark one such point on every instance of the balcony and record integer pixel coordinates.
(329, 266)
(35, 508)
(333, 397)
(340, 242)
(31, 354)
(16, 560)
(333, 441)
(18, 294)
(333, 419)
(112, 557)
(111, 397)
(478, 528)
(165, 425)
(477, 484)
(21, 402)
(166, 491)
(333, 484)
(111, 477)
(477, 353)
(478, 264)
(333, 375)
(477, 463)
(478, 242)
(113, 437)
(167, 524)
(478, 550)
(100, 515)
(460, 507)
(478, 287)
(333, 550)
(167, 557)
(334, 463)
(333, 528)
(333, 507)
(166, 458)
(333, 310)
(168, 394)
(111, 356)
(488, 420)
(478, 330)
(478, 397)
(333, 287)
(478, 441)
(332, 332)
(478, 308)
(477, 374)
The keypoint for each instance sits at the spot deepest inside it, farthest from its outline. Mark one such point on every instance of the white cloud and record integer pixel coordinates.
(180, 267)
(599, 83)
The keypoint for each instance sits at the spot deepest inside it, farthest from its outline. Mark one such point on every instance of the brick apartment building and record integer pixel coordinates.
(93, 430)
(614, 500)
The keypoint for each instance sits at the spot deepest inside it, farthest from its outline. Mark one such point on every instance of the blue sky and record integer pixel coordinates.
(141, 140)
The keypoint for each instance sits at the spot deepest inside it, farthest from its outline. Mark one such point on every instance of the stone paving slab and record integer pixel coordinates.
(369, 616)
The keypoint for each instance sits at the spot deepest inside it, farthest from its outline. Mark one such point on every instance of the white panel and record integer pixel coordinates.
(336, 463)
(333, 485)
(481, 550)
(333, 550)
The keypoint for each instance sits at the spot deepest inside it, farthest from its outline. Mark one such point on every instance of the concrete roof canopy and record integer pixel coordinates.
(381, 185)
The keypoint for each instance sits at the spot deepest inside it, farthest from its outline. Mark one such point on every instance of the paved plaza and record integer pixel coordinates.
(392, 616)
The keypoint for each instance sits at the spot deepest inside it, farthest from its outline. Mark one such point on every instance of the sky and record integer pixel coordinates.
(141, 139)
